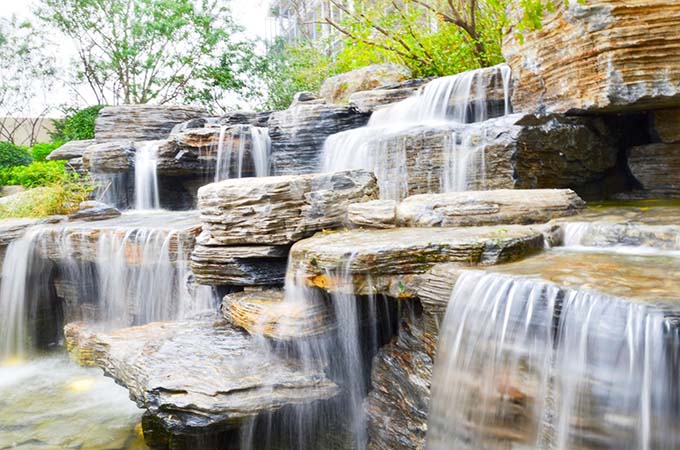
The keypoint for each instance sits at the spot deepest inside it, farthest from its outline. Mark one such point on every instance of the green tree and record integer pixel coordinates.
(76, 125)
(159, 51)
(26, 77)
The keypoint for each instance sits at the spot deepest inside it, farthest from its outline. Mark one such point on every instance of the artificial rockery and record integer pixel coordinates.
(400, 264)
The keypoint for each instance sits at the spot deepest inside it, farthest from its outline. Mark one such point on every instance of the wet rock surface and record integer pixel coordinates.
(264, 313)
(373, 214)
(604, 55)
(239, 265)
(202, 373)
(91, 211)
(410, 250)
(298, 134)
(665, 125)
(110, 157)
(142, 122)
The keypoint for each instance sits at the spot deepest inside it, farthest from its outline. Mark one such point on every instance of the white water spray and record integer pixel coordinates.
(146, 176)
(242, 149)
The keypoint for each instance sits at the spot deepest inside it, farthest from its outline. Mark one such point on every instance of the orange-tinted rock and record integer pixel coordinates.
(600, 55)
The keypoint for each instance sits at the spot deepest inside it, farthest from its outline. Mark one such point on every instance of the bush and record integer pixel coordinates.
(59, 198)
(38, 173)
(40, 151)
(12, 155)
(78, 124)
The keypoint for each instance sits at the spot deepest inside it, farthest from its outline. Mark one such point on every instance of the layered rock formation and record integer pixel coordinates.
(298, 134)
(602, 55)
(142, 122)
(472, 208)
(198, 375)
(339, 88)
(655, 167)
(265, 313)
(247, 221)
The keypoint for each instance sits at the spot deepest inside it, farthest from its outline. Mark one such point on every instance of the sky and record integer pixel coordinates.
(251, 14)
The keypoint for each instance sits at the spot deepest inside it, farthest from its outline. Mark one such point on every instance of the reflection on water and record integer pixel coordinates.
(50, 403)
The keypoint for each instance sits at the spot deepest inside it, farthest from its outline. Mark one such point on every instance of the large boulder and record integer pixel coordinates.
(109, 157)
(280, 210)
(199, 376)
(142, 122)
(599, 55)
(299, 132)
(369, 101)
(338, 89)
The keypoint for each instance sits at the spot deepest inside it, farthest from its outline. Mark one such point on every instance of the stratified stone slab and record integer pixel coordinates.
(280, 210)
(142, 122)
(200, 373)
(241, 266)
(337, 89)
(267, 313)
(598, 55)
(410, 250)
(665, 125)
(71, 150)
(110, 157)
(471, 208)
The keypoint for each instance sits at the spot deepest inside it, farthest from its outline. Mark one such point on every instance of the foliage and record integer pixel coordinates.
(141, 51)
(62, 197)
(77, 124)
(40, 151)
(27, 74)
(290, 69)
(12, 155)
(38, 173)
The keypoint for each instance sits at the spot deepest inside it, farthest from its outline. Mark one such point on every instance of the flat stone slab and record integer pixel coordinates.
(267, 313)
(471, 208)
(402, 251)
(240, 265)
(142, 122)
(643, 226)
(280, 210)
(202, 372)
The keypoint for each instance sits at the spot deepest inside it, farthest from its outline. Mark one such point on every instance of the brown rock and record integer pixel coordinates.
(373, 214)
(599, 55)
(666, 125)
(338, 89)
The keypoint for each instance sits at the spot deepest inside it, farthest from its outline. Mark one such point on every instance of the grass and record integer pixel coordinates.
(60, 198)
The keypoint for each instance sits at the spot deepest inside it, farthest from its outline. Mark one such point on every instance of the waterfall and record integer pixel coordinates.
(233, 148)
(146, 176)
(395, 136)
(345, 352)
(116, 276)
(532, 365)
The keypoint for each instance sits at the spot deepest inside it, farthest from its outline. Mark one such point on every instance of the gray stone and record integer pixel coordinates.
(656, 167)
(369, 101)
(298, 134)
(70, 150)
(475, 208)
(373, 214)
(338, 89)
(142, 122)
(109, 157)
(280, 210)
(92, 211)
(199, 373)
(666, 125)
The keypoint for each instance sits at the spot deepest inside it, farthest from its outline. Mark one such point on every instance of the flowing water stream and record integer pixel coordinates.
(398, 143)
(146, 176)
(242, 149)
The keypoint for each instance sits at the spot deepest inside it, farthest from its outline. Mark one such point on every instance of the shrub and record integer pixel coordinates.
(41, 150)
(38, 173)
(12, 155)
(77, 125)
(59, 198)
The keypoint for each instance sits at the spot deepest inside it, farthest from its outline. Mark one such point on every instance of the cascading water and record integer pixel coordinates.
(392, 142)
(116, 276)
(233, 148)
(361, 325)
(146, 176)
(528, 364)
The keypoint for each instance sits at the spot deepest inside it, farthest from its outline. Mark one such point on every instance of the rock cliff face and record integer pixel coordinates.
(299, 132)
(602, 55)
(142, 122)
